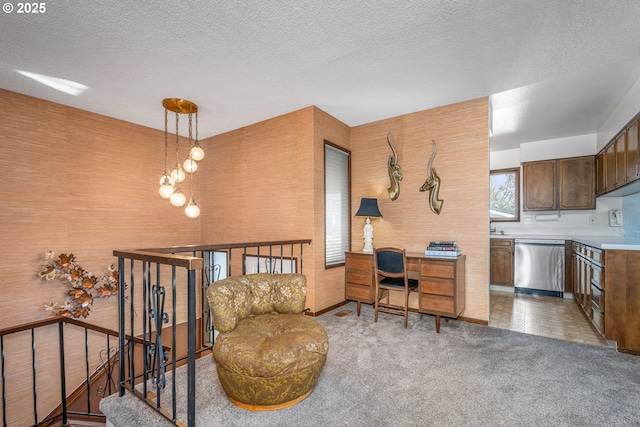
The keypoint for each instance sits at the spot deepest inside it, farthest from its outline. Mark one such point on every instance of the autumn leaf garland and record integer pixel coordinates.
(85, 286)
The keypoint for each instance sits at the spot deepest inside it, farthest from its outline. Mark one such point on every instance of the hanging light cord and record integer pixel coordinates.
(166, 144)
(190, 134)
(177, 140)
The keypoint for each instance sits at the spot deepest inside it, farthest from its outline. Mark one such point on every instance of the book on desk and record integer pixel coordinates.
(442, 249)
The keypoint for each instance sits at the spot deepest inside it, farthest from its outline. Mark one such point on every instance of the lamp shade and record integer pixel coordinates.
(369, 208)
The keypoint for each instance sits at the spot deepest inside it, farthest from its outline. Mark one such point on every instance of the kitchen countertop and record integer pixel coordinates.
(601, 242)
(610, 242)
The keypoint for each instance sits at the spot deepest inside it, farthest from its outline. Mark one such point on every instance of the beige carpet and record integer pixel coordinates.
(379, 374)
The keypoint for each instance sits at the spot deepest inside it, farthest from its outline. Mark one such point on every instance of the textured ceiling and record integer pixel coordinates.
(556, 68)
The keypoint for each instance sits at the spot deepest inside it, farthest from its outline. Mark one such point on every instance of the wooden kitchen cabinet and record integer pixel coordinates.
(618, 163)
(600, 173)
(568, 267)
(501, 261)
(607, 287)
(539, 186)
(622, 304)
(576, 183)
(621, 159)
(610, 168)
(560, 184)
(633, 156)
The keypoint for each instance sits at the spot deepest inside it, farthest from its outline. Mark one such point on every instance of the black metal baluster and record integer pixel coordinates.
(132, 328)
(109, 370)
(121, 326)
(86, 361)
(63, 375)
(191, 344)
(173, 341)
(159, 356)
(4, 395)
(146, 279)
(33, 376)
(272, 261)
(244, 264)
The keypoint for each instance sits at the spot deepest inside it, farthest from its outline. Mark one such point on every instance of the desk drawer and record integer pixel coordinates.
(360, 262)
(436, 303)
(437, 269)
(358, 292)
(359, 277)
(434, 285)
(413, 264)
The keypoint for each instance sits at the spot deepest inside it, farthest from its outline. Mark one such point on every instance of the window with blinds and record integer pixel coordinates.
(336, 204)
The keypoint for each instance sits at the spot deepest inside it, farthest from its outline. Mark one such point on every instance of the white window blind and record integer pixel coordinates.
(336, 178)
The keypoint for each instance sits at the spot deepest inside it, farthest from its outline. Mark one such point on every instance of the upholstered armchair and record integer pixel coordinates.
(268, 354)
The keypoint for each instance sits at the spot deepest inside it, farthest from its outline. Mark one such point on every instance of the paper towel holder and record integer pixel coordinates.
(548, 217)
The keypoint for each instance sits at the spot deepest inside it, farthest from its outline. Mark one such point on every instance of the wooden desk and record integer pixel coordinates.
(441, 290)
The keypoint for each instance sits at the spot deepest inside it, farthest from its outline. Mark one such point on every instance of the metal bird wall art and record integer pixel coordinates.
(395, 172)
(433, 184)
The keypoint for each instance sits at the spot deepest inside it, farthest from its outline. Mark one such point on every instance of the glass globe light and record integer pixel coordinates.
(177, 173)
(192, 210)
(190, 165)
(177, 198)
(166, 189)
(196, 152)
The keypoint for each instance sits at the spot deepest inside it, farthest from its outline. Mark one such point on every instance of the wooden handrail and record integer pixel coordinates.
(60, 319)
(212, 247)
(31, 325)
(151, 255)
(167, 255)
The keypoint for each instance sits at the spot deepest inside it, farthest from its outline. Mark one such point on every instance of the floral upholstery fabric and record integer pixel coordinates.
(267, 353)
(271, 358)
(235, 298)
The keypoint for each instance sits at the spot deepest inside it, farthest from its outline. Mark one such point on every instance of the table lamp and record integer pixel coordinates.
(369, 209)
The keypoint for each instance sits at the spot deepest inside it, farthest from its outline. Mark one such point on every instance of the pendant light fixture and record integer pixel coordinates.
(169, 182)
(192, 210)
(166, 181)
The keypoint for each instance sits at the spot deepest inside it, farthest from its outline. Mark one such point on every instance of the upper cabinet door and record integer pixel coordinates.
(576, 183)
(600, 173)
(539, 186)
(621, 159)
(633, 157)
(610, 167)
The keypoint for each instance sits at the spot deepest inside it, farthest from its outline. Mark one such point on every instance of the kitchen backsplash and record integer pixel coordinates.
(631, 215)
(578, 223)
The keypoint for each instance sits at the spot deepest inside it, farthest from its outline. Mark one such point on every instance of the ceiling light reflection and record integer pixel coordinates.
(66, 86)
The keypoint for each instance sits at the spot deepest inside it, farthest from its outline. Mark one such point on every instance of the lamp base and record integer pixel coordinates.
(368, 237)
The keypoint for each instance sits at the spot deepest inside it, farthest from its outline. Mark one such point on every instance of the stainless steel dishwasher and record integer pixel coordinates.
(539, 266)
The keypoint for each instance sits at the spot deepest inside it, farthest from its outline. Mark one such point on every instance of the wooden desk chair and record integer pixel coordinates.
(391, 275)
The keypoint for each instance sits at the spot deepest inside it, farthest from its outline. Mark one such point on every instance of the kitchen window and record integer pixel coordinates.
(504, 195)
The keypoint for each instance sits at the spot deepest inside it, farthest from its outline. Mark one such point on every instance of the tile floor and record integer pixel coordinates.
(551, 317)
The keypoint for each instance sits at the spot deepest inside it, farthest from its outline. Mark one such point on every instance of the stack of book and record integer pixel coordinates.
(440, 249)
